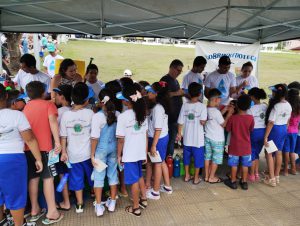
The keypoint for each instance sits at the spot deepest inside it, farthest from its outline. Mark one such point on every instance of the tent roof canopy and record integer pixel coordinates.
(218, 20)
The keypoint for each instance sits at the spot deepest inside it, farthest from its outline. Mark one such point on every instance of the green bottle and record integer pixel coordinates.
(192, 167)
(182, 171)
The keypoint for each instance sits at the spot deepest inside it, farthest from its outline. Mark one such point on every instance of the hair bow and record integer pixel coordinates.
(136, 96)
(105, 99)
(162, 83)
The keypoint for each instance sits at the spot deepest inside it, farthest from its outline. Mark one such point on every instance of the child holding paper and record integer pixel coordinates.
(277, 117)
(258, 111)
(158, 137)
(291, 139)
(75, 129)
(104, 149)
(193, 116)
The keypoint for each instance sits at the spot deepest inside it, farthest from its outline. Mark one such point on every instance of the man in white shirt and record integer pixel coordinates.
(222, 79)
(49, 62)
(29, 73)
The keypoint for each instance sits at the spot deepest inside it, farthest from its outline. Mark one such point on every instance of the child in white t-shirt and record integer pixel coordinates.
(132, 127)
(277, 117)
(214, 135)
(92, 81)
(192, 117)
(158, 138)
(258, 111)
(75, 132)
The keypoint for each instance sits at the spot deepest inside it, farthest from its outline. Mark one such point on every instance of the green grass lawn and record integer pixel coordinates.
(151, 62)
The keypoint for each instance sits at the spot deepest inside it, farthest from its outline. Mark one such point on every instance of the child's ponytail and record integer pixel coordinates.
(294, 100)
(257, 93)
(163, 97)
(279, 91)
(106, 98)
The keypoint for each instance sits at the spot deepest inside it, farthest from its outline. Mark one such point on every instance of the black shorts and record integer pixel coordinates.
(48, 171)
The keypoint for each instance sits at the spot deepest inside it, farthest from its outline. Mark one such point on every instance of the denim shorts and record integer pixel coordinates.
(214, 150)
(234, 160)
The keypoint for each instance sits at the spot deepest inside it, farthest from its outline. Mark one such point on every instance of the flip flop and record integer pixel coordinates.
(185, 180)
(198, 182)
(36, 217)
(58, 207)
(48, 221)
(217, 181)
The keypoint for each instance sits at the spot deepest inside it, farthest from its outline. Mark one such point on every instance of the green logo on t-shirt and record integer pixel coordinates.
(283, 115)
(136, 127)
(77, 128)
(262, 115)
(191, 116)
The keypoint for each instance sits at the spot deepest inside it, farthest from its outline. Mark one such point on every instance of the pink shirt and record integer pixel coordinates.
(294, 123)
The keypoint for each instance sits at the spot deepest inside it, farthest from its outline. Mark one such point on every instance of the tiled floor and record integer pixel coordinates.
(207, 204)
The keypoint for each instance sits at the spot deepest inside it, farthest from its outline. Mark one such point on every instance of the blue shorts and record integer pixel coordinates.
(13, 181)
(161, 147)
(257, 142)
(278, 135)
(108, 156)
(297, 148)
(234, 160)
(197, 153)
(132, 172)
(290, 143)
(77, 175)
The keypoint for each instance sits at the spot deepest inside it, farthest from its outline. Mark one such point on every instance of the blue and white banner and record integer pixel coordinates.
(239, 54)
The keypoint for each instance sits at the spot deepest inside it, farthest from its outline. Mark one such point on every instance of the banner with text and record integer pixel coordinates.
(238, 55)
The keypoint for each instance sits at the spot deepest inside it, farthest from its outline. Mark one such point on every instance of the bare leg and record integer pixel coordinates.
(157, 176)
(278, 162)
(50, 198)
(233, 173)
(135, 194)
(187, 172)
(270, 161)
(212, 177)
(122, 183)
(66, 199)
(165, 173)
(1, 213)
(18, 216)
(148, 174)
(207, 169)
(142, 187)
(197, 177)
(33, 194)
(245, 173)
(252, 168)
(293, 162)
(98, 194)
(79, 197)
(113, 192)
(256, 170)
(286, 163)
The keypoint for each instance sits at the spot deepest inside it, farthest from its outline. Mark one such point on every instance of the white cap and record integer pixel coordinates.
(127, 72)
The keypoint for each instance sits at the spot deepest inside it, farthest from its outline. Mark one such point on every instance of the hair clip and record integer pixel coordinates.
(105, 99)
(136, 96)
(162, 84)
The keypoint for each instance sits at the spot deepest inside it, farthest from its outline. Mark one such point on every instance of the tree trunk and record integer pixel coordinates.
(13, 41)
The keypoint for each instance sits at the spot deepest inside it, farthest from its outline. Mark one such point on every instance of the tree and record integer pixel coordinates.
(13, 41)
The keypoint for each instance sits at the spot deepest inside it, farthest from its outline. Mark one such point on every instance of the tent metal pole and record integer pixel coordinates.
(31, 3)
(295, 8)
(36, 47)
(277, 33)
(227, 18)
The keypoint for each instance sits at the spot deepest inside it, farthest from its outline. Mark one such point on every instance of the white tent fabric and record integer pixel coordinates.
(241, 21)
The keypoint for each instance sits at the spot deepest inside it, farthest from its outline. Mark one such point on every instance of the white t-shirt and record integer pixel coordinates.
(49, 63)
(191, 77)
(213, 128)
(190, 116)
(135, 136)
(97, 86)
(258, 111)
(60, 111)
(223, 82)
(158, 119)
(11, 124)
(99, 120)
(23, 78)
(252, 81)
(76, 127)
(281, 113)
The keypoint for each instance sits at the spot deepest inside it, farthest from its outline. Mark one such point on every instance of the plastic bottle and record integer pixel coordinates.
(169, 162)
(192, 167)
(182, 170)
(176, 171)
(62, 183)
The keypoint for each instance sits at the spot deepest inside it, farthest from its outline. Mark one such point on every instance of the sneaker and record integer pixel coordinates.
(251, 178)
(230, 184)
(111, 205)
(166, 189)
(244, 185)
(153, 195)
(79, 208)
(29, 224)
(99, 210)
(257, 177)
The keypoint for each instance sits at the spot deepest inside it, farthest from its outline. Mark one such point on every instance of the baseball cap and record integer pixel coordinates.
(91, 93)
(120, 96)
(150, 89)
(224, 60)
(64, 90)
(51, 47)
(127, 72)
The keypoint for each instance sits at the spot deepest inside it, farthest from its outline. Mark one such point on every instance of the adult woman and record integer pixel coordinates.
(14, 130)
(246, 80)
(67, 75)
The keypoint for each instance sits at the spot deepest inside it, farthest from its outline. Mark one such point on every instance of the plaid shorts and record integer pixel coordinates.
(214, 150)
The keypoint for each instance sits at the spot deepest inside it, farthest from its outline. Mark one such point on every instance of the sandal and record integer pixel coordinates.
(36, 217)
(58, 207)
(271, 182)
(219, 180)
(197, 182)
(136, 212)
(277, 179)
(143, 203)
(188, 180)
(48, 221)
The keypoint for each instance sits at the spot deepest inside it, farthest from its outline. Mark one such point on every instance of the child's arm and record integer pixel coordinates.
(64, 155)
(268, 131)
(229, 114)
(94, 143)
(155, 141)
(179, 133)
(120, 148)
(55, 132)
(33, 145)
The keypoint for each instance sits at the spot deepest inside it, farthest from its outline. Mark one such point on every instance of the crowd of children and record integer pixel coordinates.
(111, 130)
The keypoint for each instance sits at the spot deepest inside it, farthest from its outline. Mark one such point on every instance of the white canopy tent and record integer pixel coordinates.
(238, 21)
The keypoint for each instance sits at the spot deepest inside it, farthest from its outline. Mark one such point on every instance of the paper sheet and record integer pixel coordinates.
(52, 158)
(100, 165)
(271, 148)
(156, 158)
